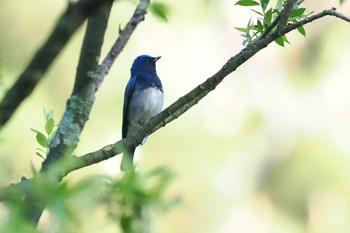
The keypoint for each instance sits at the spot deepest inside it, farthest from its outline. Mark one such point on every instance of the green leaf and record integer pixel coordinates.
(245, 30)
(48, 114)
(341, 1)
(247, 3)
(49, 125)
(268, 17)
(160, 9)
(41, 150)
(297, 13)
(285, 39)
(279, 5)
(260, 26)
(257, 12)
(280, 41)
(40, 155)
(302, 31)
(264, 4)
(42, 140)
(35, 131)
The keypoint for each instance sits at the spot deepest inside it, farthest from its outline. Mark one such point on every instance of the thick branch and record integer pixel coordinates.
(284, 16)
(91, 49)
(80, 103)
(67, 24)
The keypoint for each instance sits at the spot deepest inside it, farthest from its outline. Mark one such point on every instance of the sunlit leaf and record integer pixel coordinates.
(280, 41)
(48, 114)
(302, 31)
(260, 26)
(285, 39)
(160, 9)
(35, 131)
(264, 3)
(297, 12)
(259, 13)
(40, 155)
(49, 125)
(268, 17)
(245, 30)
(247, 3)
(42, 140)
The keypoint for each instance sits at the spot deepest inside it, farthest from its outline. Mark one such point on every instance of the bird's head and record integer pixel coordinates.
(144, 63)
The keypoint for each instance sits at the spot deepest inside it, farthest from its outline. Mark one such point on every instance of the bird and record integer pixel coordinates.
(143, 99)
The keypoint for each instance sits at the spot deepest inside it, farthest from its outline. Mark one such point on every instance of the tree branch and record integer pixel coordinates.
(81, 100)
(101, 71)
(91, 49)
(177, 108)
(284, 16)
(67, 24)
(190, 99)
(79, 105)
(329, 12)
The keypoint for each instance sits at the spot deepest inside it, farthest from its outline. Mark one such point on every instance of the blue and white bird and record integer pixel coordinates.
(143, 99)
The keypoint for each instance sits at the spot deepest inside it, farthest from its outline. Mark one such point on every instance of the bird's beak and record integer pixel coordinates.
(156, 58)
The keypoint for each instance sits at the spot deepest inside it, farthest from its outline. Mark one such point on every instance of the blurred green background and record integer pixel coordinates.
(267, 151)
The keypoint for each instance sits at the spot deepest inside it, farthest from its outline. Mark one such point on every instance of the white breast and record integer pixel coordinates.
(144, 105)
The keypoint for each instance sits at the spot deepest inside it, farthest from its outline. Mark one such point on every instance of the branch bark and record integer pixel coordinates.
(67, 24)
(284, 16)
(80, 103)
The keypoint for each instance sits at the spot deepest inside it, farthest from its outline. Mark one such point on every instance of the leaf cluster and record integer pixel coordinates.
(135, 196)
(161, 10)
(268, 19)
(130, 200)
(44, 138)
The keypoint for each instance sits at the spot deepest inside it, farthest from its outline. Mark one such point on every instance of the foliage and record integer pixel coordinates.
(129, 200)
(160, 10)
(43, 139)
(133, 199)
(267, 20)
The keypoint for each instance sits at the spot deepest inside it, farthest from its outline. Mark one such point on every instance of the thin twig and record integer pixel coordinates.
(118, 46)
(329, 12)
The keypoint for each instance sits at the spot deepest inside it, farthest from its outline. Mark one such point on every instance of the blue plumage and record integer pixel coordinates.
(143, 99)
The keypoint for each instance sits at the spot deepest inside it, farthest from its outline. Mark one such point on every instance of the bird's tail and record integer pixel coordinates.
(127, 160)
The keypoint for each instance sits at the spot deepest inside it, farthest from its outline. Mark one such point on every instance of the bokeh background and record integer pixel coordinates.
(267, 151)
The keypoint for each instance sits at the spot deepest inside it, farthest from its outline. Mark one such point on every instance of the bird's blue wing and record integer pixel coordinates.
(127, 97)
